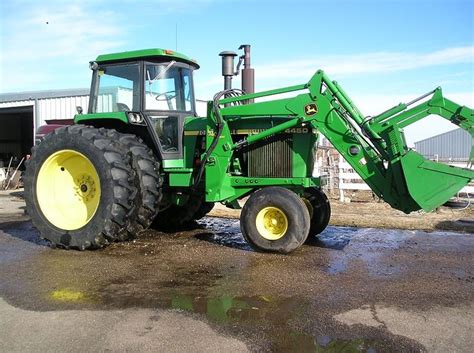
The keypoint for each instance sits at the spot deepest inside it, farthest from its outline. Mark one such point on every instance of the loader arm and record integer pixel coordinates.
(375, 147)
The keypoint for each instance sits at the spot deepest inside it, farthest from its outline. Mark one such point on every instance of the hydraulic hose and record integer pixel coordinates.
(219, 125)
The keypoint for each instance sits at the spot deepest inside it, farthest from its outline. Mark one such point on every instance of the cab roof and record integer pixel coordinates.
(147, 53)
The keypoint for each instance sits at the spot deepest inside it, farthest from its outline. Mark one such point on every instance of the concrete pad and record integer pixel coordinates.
(440, 329)
(131, 330)
(11, 203)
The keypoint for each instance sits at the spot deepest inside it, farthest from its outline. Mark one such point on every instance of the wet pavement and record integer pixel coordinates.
(351, 290)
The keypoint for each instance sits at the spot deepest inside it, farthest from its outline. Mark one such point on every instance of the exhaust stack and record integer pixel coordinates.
(248, 74)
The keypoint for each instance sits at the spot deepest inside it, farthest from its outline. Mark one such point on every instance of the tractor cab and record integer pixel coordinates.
(152, 87)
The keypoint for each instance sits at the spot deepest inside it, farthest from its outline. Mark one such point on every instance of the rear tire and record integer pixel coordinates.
(275, 219)
(319, 209)
(203, 210)
(176, 217)
(147, 180)
(79, 188)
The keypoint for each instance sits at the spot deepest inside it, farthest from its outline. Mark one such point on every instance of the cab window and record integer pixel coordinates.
(117, 88)
(168, 87)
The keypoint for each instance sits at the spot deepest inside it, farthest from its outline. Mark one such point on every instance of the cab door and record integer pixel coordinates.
(168, 99)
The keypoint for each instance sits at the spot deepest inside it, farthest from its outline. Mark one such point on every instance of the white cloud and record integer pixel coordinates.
(48, 43)
(382, 62)
(72, 32)
(40, 41)
(289, 72)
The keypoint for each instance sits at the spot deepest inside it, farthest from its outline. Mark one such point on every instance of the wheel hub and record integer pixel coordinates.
(272, 223)
(86, 188)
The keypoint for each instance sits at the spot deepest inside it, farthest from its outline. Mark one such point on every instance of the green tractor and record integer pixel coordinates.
(141, 155)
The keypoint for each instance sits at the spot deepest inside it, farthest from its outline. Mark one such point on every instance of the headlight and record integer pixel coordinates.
(135, 118)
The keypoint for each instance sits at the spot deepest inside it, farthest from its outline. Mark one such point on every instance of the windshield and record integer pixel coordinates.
(117, 88)
(168, 87)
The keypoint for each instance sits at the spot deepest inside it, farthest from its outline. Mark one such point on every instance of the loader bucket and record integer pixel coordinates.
(431, 184)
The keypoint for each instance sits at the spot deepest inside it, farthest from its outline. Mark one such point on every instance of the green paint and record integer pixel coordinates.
(178, 179)
(403, 178)
(81, 118)
(383, 161)
(173, 164)
(146, 53)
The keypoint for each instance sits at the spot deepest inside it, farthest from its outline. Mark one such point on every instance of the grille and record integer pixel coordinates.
(272, 157)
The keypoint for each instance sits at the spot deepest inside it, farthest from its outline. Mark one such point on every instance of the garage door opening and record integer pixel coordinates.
(16, 134)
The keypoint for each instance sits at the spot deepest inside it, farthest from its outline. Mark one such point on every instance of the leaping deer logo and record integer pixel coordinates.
(310, 109)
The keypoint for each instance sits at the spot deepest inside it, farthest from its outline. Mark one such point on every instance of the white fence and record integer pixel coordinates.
(349, 180)
(469, 189)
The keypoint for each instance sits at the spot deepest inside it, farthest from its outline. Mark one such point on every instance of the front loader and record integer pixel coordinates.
(141, 155)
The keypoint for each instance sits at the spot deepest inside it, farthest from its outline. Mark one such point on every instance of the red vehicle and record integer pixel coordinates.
(50, 126)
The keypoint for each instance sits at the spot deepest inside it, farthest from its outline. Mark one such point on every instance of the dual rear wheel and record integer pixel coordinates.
(87, 187)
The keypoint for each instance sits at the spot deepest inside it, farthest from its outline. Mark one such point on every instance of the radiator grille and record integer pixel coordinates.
(272, 157)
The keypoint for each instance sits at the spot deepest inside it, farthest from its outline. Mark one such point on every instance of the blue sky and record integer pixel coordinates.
(382, 52)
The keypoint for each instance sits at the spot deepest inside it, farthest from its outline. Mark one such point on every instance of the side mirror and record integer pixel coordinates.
(79, 109)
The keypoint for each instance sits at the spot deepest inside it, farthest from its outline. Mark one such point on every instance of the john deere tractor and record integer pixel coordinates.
(141, 154)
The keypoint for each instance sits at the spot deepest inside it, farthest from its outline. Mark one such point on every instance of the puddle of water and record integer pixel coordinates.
(327, 344)
(210, 280)
(254, 311)
(349, 245)
(336, 238)
(367, 245)
(227, 232)
(337, 264)
(18, 251)
(224, 233)
(24, 231)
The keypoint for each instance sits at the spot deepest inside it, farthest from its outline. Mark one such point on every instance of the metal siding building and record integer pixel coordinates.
(22, 113)
(452, 146)
(60, 104)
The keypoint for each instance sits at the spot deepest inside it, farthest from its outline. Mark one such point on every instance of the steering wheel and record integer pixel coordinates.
(166, 96)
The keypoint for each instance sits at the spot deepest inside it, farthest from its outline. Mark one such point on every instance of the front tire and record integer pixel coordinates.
(79, 188)
(275, 219)
(319, 210)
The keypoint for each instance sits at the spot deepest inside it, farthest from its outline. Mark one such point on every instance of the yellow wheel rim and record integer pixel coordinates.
(68, 189)
(271, 223)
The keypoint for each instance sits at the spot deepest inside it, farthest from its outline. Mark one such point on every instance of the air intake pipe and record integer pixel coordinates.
(228, 68)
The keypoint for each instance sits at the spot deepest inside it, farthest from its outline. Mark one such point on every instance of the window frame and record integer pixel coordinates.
(181, 88)
(94, 96)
